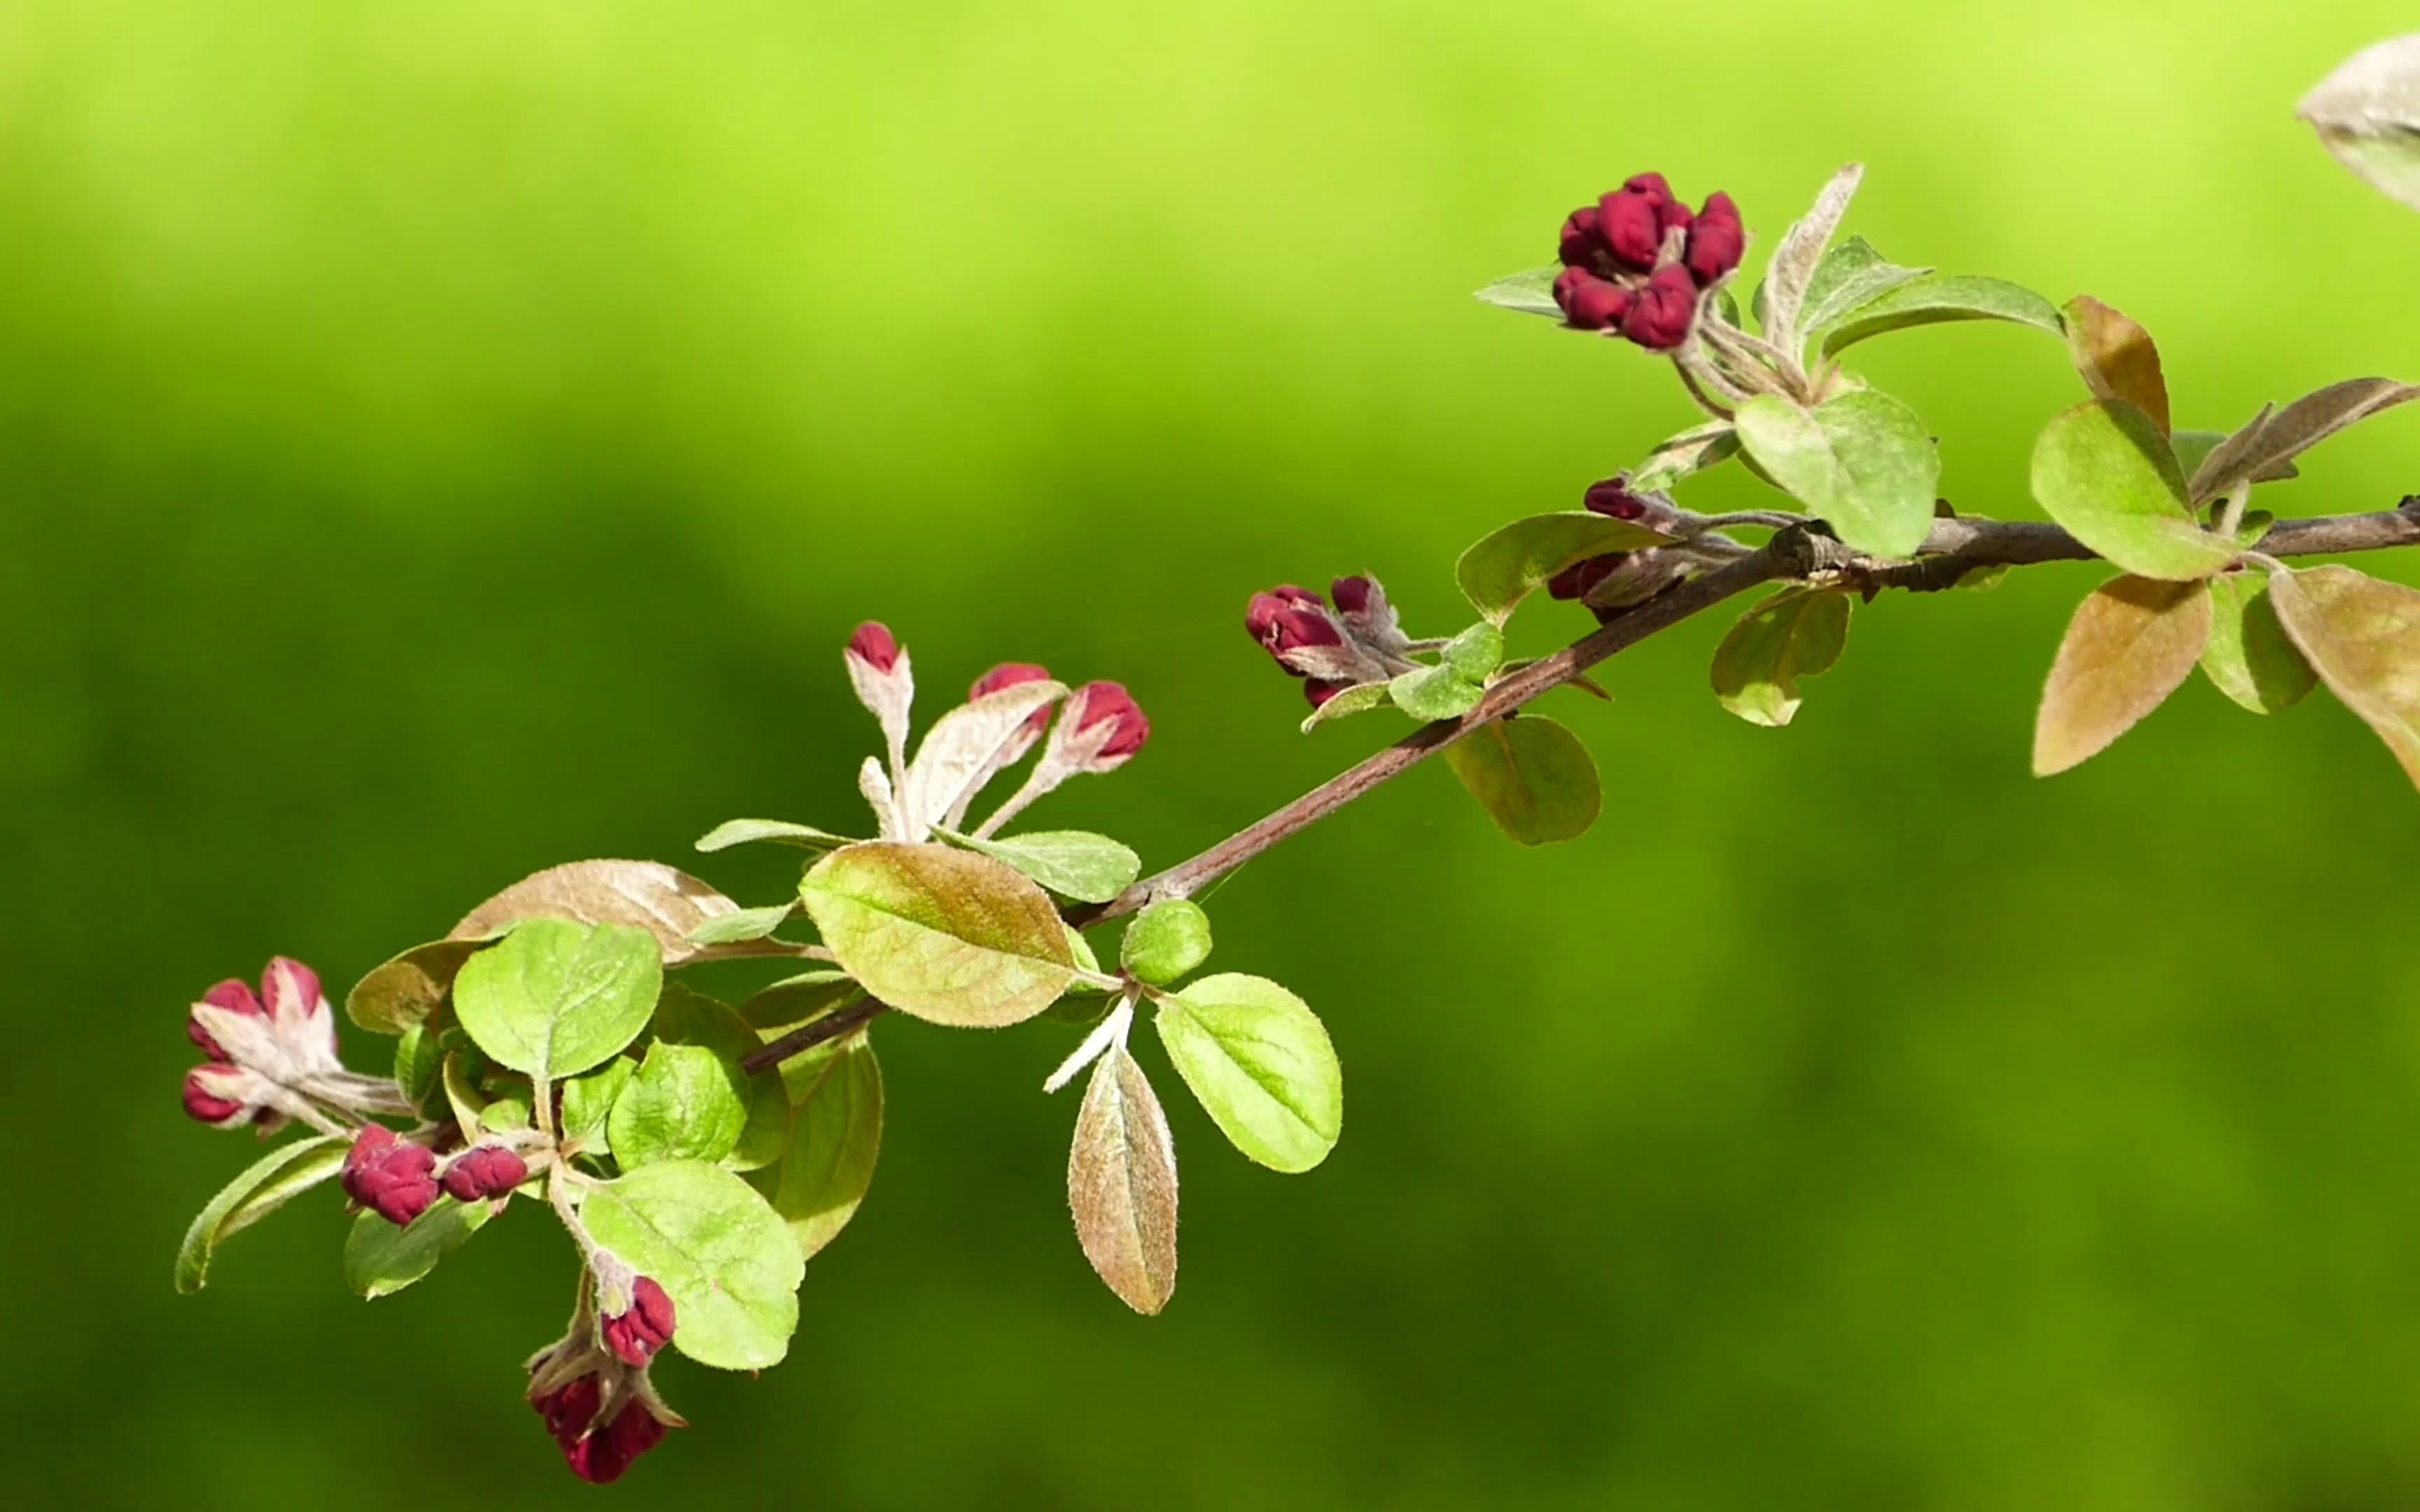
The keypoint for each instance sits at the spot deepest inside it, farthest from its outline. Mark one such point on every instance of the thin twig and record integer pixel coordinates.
(814, 1033)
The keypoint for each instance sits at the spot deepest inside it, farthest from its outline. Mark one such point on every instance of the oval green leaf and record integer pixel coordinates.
(1432, 693)
(554, 998)
(1090, 869)
(2103, 470)
(261, 1189)
(682, 1103)
(777, 831)
(381, 1259)
(1168, 940)
(835, 1137)
(1862, 461)
(1261, 1064)
(689, 1018)
(2249, 658)
(404, 991)
(1532, 776)
(1937, 298)
(720, 1252)
(1792, 634)
(943, 935)
(1508, 565)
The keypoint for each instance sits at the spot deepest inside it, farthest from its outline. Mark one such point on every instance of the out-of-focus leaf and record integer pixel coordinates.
(2250, 657)
(1122, 1183)
(1692, 451)
(2104, 472)
(1532, 776)
(1937, 298)
(1531, 292)
(779, 831)
(2368, 113)
(2363, 638)
(718, 1250)
(2116, 357)
(381, 1259)
(404, 991)
(835, 1135)
(943, 935)
(1261, 1064)
(1862, 461)
(2132, 643)
(261, 1189)
(1796, 633)
(1508, 565)
(1090, 869)
(553, 998)
(648, 895)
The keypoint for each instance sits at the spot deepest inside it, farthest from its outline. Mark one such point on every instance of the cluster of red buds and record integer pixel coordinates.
(271, 1056)
(1619, 579)
(1099, 728)
(591, 1387)
(1639, 259)
(1357, 640)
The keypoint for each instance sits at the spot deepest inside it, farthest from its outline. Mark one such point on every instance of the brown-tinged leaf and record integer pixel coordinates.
(2116, 357)
(2249, 658)
(2363, 636)
(944, 935)
(2295, 429)
(1122, 1183)
(666, 903)
(2130, 646)
(405, 991)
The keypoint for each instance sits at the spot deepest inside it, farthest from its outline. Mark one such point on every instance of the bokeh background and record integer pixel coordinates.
(439, 439)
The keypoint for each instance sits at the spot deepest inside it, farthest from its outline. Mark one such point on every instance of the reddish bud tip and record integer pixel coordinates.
(1296, 629)
(1320, 689)
(1664, 310)
(1588, 302)
(1096, 702)
(389, 1176)
(484, 1171)
(1631, 225)
(603, 1457)
(874, 645)
(1264, 608)
(290, 988)
(205, 1105)
(1612, 495)
(1650, 186)
(635, 1335)
(1717, 239)
(236, 997)
(1008, 674)
(1352, 594)
(1575, 581)
(1581, 245)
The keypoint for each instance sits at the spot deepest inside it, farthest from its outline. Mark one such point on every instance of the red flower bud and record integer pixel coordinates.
(1649, 186)
(874, 645)
(1294, 628)
(236, 997)
(484, 1171)
(1008, 674)
(1717, 239)
(1351, 595)
(1264, 608)
(1096, 702)
(1631, 225)
(636, 1333)
(204, 1104)
(389, 1176)
(1320, 689)
(603, 1457)
(1664, 310)
(1575, 580)
(1581, 244)
(1588, 302)
(1613, 497)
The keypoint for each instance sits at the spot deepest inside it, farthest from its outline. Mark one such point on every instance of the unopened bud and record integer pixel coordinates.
(1590, 302)
(1097, 704)
(1660, 319)
(874, 645)
(1575, 581)
(1717, 239)
(1352, 594)
(603, 1457)
(1630, 221)
(391, 1177)
(1581, 244)
(1320, 689)
(205, 1099)
(644, 1327)
(484, 1171)
(236, 997)
(1009, 674)
(1264, 608)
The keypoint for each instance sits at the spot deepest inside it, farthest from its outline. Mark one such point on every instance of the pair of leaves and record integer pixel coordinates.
(718, 1250)
(1532, 776)
(940, 934)
(1861, 460)
(1796, 633)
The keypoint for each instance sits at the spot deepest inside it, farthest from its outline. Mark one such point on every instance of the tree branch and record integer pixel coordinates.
(1955, 548)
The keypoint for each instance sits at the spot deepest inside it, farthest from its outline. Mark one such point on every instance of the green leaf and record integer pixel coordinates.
(1862, 461)
(2249, 658)
(588, 1104)
(1531, 292)
(1506, 566)
(1166, 941)
(1476, 652)
(1691, 451)
(2132, 643)
(1090, 869)
(722, 1255)
(418, 1061)
(1936, 298)
(264, 1186)
(747, 924)
(835, 1135)
(2104, 472)
(554, 998)
(2363, 638)
(1122, 1183)
(2116, 357)
(1532, 776)
(683, 1104)
(381, 1259)
(462, 1094)
(1260, 1063)
(778, 831)
(1358, 699)
(1850, 276)
(2194, 448)
(940, 934)
(689, 1018)
(1432, 693)
(790, 1002)
(506, 1114)
(405, 990)
(1794, 634)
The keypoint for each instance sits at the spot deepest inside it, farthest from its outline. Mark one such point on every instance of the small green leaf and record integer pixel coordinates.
(1796, 633)
(722, 1255)
(1862, 461)
(1531, 292)
(554, 998)
(1532, 776)
(2363, 638)
(940, 934)
(683, 1104)
(835, 1135)
(1166, 941)
(1506, 566)
(405, 990)
(506, 1114)
(689, 1018)
(747, 924)
(2249, 658)
(1937, 298)
(2104, 472)
(1850, 276)
(463, 1095)
(1432, 693)
(1679, 456)
(381, 1259)
(1358, 699)
(418, 1061)
(1122, 1183)
(2132, 643)
(588, 1104)
(778, 831)
(1261, 1064)
(1090, 869)
(1476, 652)
(2116, 357)
(263, 1187)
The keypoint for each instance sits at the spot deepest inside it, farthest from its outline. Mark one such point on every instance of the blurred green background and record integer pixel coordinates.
(439, 440)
